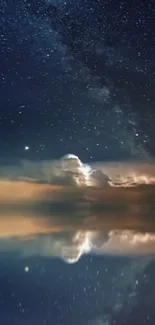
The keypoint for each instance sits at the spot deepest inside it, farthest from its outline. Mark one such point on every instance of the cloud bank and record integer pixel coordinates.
(66, 208)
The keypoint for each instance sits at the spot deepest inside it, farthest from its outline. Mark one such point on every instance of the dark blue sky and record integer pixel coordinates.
(77, 79)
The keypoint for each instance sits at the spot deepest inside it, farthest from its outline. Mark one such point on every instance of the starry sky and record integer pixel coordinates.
(76, 78)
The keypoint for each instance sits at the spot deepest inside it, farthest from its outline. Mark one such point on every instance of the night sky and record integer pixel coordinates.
(75, 77)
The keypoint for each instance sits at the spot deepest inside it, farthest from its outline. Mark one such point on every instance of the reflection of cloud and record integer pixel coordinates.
(128, 242)
(71, 246)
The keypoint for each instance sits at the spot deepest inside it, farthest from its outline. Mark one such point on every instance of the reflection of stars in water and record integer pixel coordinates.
(26, 269)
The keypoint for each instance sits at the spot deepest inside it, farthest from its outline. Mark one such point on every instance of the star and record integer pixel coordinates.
(26, 148)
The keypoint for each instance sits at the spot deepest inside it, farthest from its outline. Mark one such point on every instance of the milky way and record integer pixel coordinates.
(67, 50)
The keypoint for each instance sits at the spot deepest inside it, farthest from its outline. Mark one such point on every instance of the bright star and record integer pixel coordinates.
(26, 148)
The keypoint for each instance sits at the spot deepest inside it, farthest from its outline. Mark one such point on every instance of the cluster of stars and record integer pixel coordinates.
(64, 103)
(79, 286)
(75, 78)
